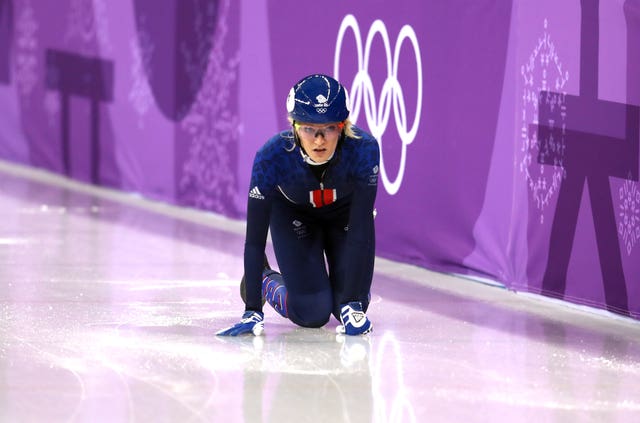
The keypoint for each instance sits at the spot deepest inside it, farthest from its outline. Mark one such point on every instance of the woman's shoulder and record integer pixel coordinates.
(282, 142)
(363, 139)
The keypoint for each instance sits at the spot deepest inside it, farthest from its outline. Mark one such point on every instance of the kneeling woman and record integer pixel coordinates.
(314, 186)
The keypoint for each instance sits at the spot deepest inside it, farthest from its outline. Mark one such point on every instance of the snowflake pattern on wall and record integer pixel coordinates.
(542, 72)
(195, 57)
(140, 96)
(629, 214)
(26, 74)
(88, 22)
(208, 174)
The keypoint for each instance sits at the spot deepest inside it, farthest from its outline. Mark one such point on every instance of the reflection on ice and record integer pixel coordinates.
(389, 391)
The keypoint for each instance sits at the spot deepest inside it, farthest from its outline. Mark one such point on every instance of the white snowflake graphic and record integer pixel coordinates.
(629, 214)
(213, 128)
(26, 57)
(542, 72)
(87, 22)
(140, 95)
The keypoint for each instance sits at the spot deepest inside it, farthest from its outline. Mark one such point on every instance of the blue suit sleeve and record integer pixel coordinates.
(258, 213)
(258, 217)
(361, 235)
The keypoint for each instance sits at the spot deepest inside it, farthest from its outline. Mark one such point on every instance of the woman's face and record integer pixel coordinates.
(319, 141)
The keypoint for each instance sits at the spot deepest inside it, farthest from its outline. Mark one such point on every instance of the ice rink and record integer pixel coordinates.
(109, 305)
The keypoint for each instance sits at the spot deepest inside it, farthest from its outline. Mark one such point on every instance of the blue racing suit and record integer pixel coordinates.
(313, 214)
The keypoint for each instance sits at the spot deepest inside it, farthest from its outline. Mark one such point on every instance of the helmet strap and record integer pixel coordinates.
(309, 160)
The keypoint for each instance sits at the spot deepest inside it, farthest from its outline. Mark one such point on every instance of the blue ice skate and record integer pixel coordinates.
(354, 320)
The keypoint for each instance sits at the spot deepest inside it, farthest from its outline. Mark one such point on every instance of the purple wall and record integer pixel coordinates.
(509, 130)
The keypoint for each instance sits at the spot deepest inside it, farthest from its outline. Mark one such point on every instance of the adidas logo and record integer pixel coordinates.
(357, 317)
(255, 193)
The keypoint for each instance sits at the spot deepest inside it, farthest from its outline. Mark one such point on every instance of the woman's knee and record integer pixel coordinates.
(309, 321)
(310, 311)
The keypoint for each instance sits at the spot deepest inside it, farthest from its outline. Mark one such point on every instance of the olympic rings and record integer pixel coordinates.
(362, 91)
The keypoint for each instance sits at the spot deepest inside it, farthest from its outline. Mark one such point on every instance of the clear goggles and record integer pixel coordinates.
(326, 131)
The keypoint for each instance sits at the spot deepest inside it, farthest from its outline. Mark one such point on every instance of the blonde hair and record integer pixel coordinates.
(348, 128)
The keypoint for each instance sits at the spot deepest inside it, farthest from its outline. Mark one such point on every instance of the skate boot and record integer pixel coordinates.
(354, 320)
